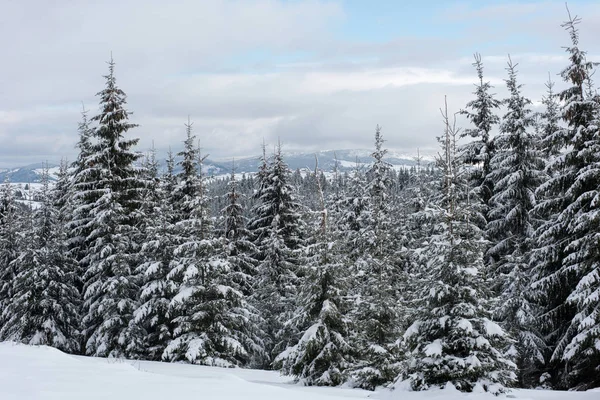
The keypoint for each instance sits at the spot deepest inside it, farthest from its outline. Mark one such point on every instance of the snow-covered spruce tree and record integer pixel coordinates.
(211, 317)
(454, 340)
(183, 192)
(582, 354)
(9, 244)
(193, 252)
(415, 220)
(547, 254)
(479, 151)
(241, 274)
(157, 253)
(322, 352)
(517, 170)
(580, 347)
(376, 307)
(567, 257)
(276, 226)
(44, 305)
(111, 285)
(239, 248)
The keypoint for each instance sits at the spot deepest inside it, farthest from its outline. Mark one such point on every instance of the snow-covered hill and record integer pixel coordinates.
(28, 173)
(44, 373)
(347, 160)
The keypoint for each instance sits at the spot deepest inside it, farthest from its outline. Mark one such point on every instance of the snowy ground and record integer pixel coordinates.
(28, 372)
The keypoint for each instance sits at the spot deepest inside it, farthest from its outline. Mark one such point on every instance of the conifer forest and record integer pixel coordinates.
(481, 269)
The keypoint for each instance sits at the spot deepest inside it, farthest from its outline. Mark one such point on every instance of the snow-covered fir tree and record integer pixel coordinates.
(191, 264)
(157, 252)
(213, 323)
(579, 347)
(453, 340)
(238, 251)
(377, 277)
(111, 284)
(517, 170)
(567, 257)
(546, 257)
(582, 353)
(239, 248)
(414, 214)
(44, 306)
(276, 225)
(322, 353)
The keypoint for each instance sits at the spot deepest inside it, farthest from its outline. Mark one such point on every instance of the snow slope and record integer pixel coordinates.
(28, 372)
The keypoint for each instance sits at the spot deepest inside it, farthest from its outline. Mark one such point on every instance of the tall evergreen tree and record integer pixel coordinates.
(190, 267)
(567, 252)
(417, 222)
(213, 323)
(111, 285)
(516, 169)
(238, 252)
(453, 340)
(239, 249)
(157, 289)
(377, 309)
(322, 352)
(581, 111)
(277, 227)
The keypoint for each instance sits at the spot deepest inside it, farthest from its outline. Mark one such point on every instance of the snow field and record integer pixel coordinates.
(44, 373)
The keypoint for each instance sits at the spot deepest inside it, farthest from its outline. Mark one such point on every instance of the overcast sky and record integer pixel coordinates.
(317, 74)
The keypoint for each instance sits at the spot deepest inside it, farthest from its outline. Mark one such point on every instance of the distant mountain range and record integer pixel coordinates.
(27, 174)
(347, 159)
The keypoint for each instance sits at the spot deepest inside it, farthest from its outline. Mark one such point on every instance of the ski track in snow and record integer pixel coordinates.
(44, 373)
